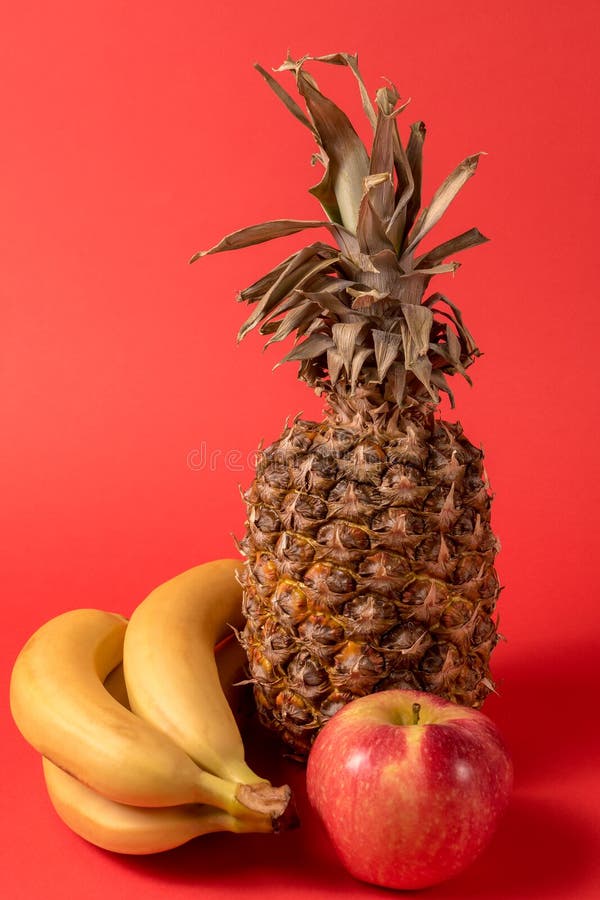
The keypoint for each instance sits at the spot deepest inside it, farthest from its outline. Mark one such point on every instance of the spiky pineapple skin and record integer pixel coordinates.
(369, 565)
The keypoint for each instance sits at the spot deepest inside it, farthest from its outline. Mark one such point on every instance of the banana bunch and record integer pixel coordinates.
(140, 748)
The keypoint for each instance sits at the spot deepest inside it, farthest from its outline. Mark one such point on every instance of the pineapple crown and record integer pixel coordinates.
(358, 309)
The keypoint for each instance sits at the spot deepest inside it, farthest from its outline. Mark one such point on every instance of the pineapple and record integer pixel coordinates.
(369, 552)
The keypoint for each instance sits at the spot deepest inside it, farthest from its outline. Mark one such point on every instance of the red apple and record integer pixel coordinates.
(409, 786)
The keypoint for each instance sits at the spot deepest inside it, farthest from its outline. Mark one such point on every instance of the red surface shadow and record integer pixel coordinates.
(539, 851)
(546, 709)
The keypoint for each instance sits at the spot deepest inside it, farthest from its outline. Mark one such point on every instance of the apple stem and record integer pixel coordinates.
(416, 711)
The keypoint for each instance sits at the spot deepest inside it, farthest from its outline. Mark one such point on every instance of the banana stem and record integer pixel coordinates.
(273, 802)
(250, 825)
(248, 803)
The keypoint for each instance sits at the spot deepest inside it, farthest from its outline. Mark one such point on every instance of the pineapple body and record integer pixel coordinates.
(370, 565)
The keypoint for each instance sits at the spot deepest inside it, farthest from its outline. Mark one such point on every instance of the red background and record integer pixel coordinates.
(136, 133)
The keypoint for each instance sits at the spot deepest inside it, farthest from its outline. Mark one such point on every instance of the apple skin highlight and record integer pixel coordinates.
(408, 805)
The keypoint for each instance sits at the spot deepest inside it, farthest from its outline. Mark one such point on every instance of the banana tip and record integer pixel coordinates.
(288, 820)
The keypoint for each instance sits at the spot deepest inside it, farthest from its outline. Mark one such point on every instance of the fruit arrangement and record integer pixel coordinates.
(364, 608)
(119, 772)
(368, 545)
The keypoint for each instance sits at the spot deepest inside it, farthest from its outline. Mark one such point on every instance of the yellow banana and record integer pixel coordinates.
(116, 687)
(231, 665)
(231, 661)
(170, 668)
(135, 829)
(61, 707)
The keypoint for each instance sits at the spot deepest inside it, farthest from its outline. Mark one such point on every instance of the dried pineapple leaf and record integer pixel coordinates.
(344, 155)
(382, 160)
(297, 268)
(313, 346)
(387, 97)
(442, 199)
(335, 364)
(421, 367)
(331, 304)
(414, 285)
(299, 272)
(456, 318)
(343, 59)
(467, 343)
(285, 98)
(346, 336)
(435, 270)
(349, 245)
(396, 379)
(471, 238)
(363, 299)
(414, 154)
(312, 372)
(317, 326)
(452, 363)
(358, 361)
(379, 315)
(440, 381)
(334, 284)
(419, 320)
(373, 180)
(294, 319)
(259, 288)
(387, 277)
(387, 347)
(293, 301)
(271, 320)
(269, 327)
(396, 227)
(259, 234)
(453, 346)
(370, 229)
